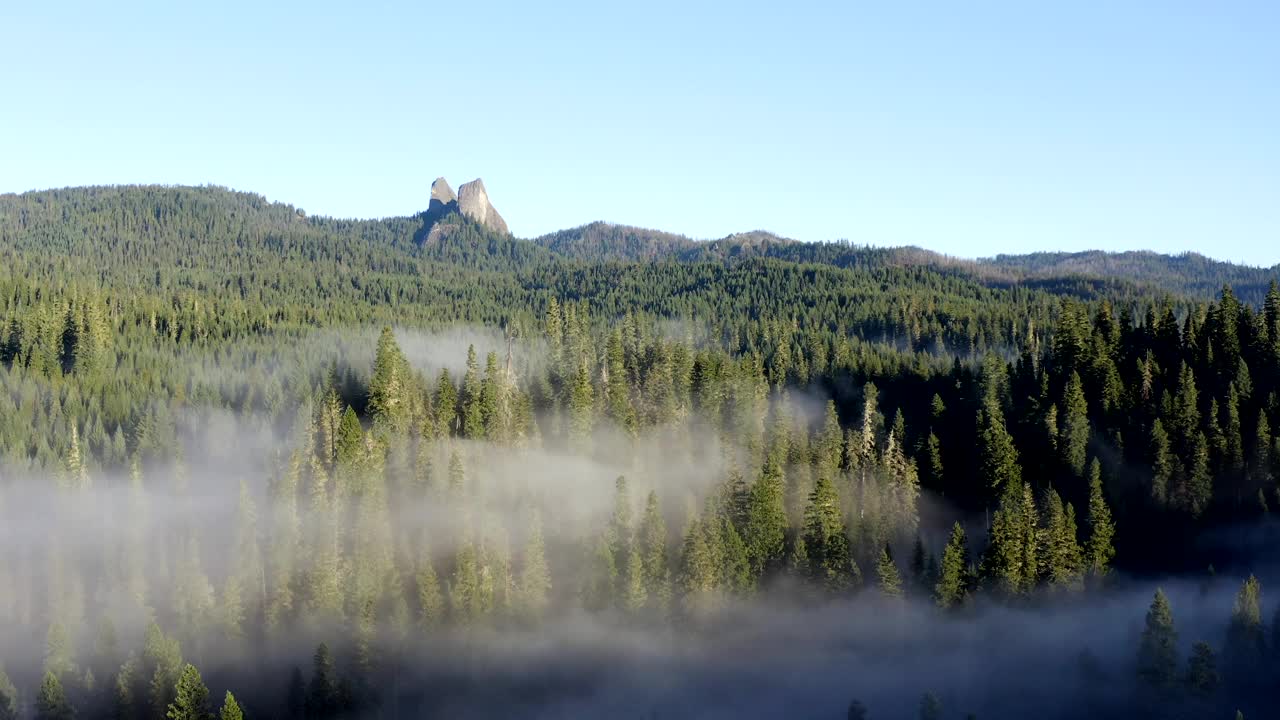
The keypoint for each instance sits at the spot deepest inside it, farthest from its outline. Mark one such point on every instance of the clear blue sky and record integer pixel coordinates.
(971, 128)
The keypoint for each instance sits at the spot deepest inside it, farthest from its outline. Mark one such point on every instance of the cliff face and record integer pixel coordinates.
(473, 201)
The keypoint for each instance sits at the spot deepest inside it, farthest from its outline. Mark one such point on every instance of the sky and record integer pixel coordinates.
(970, 128)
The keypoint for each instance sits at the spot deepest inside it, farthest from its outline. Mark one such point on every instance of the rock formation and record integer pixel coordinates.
(473, 201)
(441, 195)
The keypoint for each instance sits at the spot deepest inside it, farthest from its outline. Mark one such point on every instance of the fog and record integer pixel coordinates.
(781, 652)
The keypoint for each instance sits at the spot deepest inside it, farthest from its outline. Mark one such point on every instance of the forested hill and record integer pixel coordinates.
(188, 229)
(1189, 273)
(475, 471)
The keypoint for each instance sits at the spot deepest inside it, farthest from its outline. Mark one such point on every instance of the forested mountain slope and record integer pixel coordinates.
(452, 472)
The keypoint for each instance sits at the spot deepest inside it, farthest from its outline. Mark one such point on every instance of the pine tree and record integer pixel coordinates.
(617, 391)
(997, 451)
(190, 698)
(888, 579)
(1060, 554)
(51, 701)
(535, 576)
(952, 588)
(1011, 557)
(766, 525)
(652, 539)
(471, 398)
(1202, 670)
(230, 708)
(1162, 464)
(389, 386)
(1099, 551)
(1246, 646)
(932, 462)
(699, 574)
(446, 404)
(430, 598)
(8, 698)
(1158, 650)
(1073, 438)
(602, 574)
(581, 410)
(826, 538)
(321, 701)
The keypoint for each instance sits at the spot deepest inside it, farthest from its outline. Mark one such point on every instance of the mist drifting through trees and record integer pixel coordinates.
(457, 474)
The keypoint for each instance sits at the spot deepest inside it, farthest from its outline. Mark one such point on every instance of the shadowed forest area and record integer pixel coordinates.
(255, 463)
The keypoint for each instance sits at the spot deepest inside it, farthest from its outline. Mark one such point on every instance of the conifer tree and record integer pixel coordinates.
(430, 598)
(652, 539)
(998, 453)
(8, 698)
(1162, 464)
(952, 588)
(535, 575)
(1246, 648)
(1060, 554)
(1073, 438)
(617, 391)
(446, 405)
(1099, 550)
(51, 700)
(766, 526)
(389, 386)
(230, 708)
(1202, 670)
(1158, 650)
(826, 538)
(190, 697)
(887, 576)
(321, 700)
(471, 398)
(581, 410)
(1011, 557)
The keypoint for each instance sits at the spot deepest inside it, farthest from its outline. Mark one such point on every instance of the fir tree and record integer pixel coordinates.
(888, 579)
(535, 576)
(1158, 650)
(1246, 648)
(652, 538)
(51, 701)
(1202, 670)
(1073, 439)
(952, 588)
(826, 540)
(230, 708)
(190, 697)
(8, 698)
(389, 386)
(1099, 550)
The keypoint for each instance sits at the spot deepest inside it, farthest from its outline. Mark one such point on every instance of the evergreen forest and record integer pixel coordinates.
(258, 463)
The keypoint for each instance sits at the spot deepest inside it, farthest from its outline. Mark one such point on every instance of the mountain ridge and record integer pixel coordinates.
(599, 241)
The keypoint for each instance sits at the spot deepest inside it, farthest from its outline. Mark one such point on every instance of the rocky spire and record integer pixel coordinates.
(441, 195)
(473, 201)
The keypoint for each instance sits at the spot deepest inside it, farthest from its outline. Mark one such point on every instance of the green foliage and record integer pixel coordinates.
(51, 700)
(1158, 650)
(190, 697)
(954, 579)
(230, 708)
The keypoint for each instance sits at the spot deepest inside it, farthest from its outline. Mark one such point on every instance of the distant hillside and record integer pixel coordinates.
(1188, 273)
